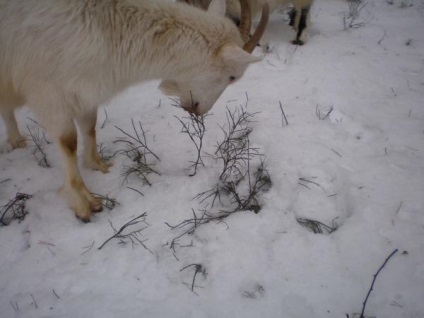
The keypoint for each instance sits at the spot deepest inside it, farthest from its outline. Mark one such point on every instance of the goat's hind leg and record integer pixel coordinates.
(15, 139)
(92, 158)
(300, 20)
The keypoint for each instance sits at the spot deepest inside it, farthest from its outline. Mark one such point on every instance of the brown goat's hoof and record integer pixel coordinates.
(84, 219)
(96, 208)
(95, 204)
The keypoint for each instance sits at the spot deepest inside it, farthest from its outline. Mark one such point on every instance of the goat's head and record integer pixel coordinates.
(199, 93)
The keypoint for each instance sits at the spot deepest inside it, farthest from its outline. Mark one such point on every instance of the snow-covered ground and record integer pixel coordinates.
(360, 170)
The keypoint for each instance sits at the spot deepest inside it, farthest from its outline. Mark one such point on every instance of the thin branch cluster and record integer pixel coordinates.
(351, 18)
(239, 185)
(195, 128)
(323, 115)
(198, 268)
(133, 236)
(139, 153)
(15, 209)
(189, 226)
(38, 137)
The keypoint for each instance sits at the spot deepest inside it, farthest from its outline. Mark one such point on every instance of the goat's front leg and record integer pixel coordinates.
(92, 159)
(79, 197)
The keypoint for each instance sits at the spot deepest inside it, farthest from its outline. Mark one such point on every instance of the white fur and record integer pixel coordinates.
(63, 58)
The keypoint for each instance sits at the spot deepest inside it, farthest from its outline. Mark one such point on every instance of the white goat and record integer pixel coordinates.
(63, 58)
(299, 16)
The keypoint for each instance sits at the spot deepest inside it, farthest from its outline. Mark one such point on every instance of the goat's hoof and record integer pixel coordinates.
(83, 215)
(104, 165)
(96, 205)
(84, 219)
(298, 42)
(99, 164)
(95, 208)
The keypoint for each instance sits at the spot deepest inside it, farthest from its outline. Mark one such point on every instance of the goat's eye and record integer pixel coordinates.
(232, 78)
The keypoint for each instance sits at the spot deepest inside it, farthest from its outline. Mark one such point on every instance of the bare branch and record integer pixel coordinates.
(132, 236)
(138, 151)
(106, 118)
(195, 129)
(326, 114)
(198, 268)
(373, 281)
(54, 293)
(34, 302)
(284, 120)
(39, 139)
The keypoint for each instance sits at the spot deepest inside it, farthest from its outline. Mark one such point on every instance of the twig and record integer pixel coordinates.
(48, 245)
(198, 269)
(192, 224)
(140, 193)
(284, 119)
(336, 152)
(373, 281)
(39, 138)
(34, 302)
(398, 209)
(104, 122)
(312, 182)
(88, 248)
(132, 236)
(381, 40)
(14, 306)
(326, 115)
(54, 293)
(137, 139)
(195, 129)
(5, 180)
(137, 151)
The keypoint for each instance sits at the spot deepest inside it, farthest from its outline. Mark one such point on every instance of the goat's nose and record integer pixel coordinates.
(195, 108)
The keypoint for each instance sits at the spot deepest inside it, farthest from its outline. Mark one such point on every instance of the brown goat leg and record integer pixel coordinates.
(74, 189)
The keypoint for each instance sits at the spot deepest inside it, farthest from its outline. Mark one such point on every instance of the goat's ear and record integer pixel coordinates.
(169, 87)
(232, 54)
(217, 7)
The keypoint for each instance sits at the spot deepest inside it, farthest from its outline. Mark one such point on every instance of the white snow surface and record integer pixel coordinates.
(364, 167)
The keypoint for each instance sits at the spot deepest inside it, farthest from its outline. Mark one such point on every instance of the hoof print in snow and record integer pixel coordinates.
(15, 209)
(357, 315)
(316, 227)
(253, 292)
(318, 206)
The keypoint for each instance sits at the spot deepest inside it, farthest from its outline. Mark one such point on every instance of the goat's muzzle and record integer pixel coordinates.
(192, 109)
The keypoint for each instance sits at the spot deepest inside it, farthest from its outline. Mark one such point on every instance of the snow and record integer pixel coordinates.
(364, 172)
